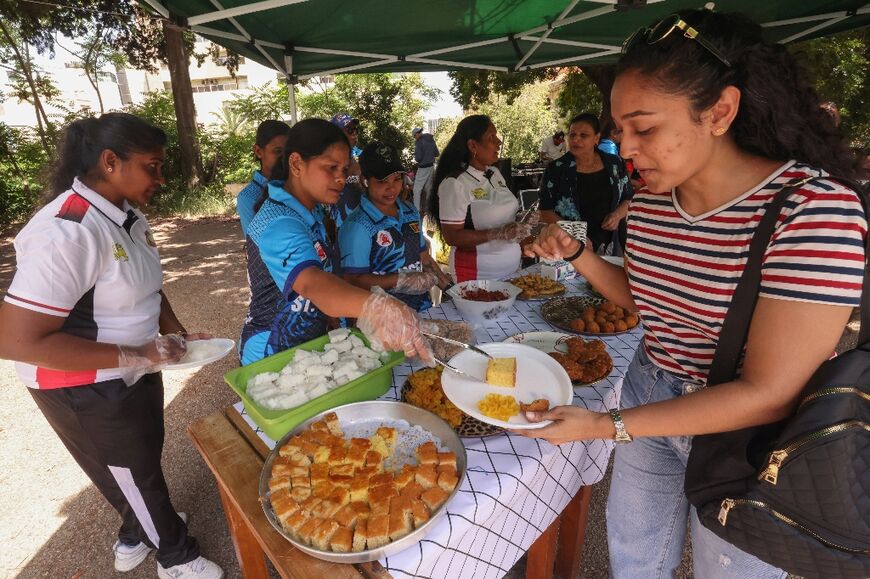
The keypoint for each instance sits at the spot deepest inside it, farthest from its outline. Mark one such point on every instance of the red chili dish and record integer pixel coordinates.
(482, 295)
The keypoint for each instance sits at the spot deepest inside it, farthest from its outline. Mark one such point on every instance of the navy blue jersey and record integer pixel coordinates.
(284, 239)
(372, 242)
(247, 198)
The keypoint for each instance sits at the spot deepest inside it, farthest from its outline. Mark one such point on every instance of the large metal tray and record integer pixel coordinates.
(367, 412)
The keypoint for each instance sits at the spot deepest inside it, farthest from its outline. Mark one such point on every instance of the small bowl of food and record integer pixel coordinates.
(483, 300)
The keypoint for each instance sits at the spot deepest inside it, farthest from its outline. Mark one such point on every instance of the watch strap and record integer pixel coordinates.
(622, 435)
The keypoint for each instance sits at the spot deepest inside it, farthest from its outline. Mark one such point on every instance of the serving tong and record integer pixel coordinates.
(458, 371)
(458, 343)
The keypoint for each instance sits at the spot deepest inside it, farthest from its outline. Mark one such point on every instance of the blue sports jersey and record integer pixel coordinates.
(375, 243)
(284, 238)
(247, 198)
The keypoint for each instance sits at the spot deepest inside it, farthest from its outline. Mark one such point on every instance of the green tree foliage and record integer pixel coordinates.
(269, 101)
(839, 66)
(21, 160)
(473, 87)
(578, 94)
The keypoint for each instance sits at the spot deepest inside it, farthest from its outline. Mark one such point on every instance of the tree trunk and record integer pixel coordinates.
(185, 113)
(42, 121)
(602, 76)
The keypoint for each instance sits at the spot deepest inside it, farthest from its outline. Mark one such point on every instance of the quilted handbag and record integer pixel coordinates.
(796, 494)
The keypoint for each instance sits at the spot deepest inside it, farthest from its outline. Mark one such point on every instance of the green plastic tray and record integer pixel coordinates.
(277, 423)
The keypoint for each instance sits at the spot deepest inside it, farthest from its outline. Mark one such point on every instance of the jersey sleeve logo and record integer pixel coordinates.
(119, 253)
(384, 239)
(415, 226)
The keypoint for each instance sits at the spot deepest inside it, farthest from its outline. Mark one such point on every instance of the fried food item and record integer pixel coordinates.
(586, 361)
(499, 406)
(539, 405)
(534, 285)
(573, 369)
(426, 393)
(607, 318)
(578, 324)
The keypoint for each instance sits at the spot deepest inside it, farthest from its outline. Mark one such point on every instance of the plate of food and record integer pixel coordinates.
(496, 390)
(423, 389)
(586, 361)
(536, 287)
(202, 352)
(588, 316)
(362, 482)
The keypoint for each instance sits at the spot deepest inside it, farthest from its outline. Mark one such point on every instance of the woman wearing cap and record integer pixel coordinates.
(382, 240)
(473, 207)
(587, 184)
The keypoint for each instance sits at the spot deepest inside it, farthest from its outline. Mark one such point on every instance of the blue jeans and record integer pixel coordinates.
(647, 511)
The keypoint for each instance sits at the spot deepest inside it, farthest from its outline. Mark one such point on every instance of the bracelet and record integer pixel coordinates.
(576, 254)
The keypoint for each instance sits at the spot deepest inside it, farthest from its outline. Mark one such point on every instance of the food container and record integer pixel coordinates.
(366, 412)
(481, 312)
(557, 269)
(276, 423)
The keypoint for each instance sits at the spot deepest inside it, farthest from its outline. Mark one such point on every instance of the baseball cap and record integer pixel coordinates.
(380, 160)
(341, 120)
(416, 130)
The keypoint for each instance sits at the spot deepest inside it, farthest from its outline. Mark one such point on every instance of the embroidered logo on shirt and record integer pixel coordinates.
(415, 227)
(321, 253)
(480, 193)
(149, 239)
(119, 253)
(384, 239)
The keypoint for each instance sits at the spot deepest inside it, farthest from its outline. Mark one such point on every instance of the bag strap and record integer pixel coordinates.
(735, 327)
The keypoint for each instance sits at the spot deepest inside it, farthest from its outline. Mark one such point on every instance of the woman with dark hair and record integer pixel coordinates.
(382, 238)
(473, 207)
(90, 328)
(587, 184)
(268, 148)
(290, 258)
(717, 121)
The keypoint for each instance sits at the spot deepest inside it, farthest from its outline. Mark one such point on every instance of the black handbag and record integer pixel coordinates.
(796, 494)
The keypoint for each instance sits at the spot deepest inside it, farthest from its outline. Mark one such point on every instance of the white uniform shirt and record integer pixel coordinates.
(551, 149)
(483, 199)
(84, 259)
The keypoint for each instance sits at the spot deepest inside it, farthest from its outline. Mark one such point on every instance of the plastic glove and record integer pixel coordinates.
(391, 325)
(136, 361)
(513, 232)
(415, 282)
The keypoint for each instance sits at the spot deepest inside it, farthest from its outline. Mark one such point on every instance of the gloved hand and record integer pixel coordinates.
(514, 232)
(391, 325)
(415, 282)
(136, 361)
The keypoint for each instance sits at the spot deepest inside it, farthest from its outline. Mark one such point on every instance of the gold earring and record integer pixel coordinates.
(719, 131)
(109, 169)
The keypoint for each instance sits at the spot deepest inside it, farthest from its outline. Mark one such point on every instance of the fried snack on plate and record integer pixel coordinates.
(539, 405)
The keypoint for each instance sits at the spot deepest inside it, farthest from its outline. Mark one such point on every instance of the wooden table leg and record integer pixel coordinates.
(252, 559)
(572, 533)
(542, 553)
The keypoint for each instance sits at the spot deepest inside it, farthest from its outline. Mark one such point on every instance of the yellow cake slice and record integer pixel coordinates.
(502, 372)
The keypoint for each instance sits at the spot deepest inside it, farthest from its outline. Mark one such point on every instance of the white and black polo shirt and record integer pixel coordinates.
(82, 258)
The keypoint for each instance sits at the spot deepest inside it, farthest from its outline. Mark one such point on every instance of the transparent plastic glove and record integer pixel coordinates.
(415, 282)
(514, 232)
(136, 361)
(391, 325)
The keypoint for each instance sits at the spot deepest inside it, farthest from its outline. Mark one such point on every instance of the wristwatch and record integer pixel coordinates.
(622, 435)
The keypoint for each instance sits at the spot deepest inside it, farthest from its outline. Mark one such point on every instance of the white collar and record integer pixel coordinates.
(113, 212)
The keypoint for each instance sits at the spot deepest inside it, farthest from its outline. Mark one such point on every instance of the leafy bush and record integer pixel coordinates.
(21, 160)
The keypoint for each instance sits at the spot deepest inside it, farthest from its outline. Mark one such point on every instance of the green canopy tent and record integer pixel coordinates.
(306, 38)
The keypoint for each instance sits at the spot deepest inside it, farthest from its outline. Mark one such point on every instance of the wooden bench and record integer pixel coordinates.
(235, 455)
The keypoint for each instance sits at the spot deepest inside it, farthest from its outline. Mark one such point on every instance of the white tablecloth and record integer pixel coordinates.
(514, 487)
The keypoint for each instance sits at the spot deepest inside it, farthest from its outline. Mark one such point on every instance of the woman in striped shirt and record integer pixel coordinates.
(717, 121)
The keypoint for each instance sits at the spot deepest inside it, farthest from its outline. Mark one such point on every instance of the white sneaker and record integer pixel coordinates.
(199, 568)
(128, 557)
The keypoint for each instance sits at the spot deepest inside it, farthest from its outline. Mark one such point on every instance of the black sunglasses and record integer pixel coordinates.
(661, 31)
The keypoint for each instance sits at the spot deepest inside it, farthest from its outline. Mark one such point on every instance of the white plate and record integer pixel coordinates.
(221, 347)
(538, 376)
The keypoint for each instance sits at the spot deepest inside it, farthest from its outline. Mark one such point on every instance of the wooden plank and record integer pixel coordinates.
(237, 468)
(252, 559)
(572, 534)
(542, 554)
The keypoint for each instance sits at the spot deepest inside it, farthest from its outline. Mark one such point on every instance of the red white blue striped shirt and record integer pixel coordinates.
(683, 269)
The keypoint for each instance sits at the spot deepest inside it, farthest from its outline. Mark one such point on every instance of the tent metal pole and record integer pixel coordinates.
(456, 64)
(248, 37)
(566, 21)
(160, 8)
(349, 68)
(803, 33)
(841, 14)
(291, 86)
(460, 47)
(532, 50)
(573, 59)
(570, 43)
(240, 10)
(341, 52)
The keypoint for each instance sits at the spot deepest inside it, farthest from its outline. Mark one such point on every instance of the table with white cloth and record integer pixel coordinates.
(514, 486)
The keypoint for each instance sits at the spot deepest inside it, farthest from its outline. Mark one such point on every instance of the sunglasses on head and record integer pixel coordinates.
(664, 28)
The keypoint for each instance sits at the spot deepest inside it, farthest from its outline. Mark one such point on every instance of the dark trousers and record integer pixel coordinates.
(115, 434)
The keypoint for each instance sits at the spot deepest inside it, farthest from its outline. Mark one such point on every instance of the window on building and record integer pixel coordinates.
(218, 84)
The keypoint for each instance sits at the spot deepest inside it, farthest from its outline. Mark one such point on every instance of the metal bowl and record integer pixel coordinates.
(366, 412)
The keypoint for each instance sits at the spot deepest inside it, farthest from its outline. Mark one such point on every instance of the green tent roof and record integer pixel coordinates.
(305, 38)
